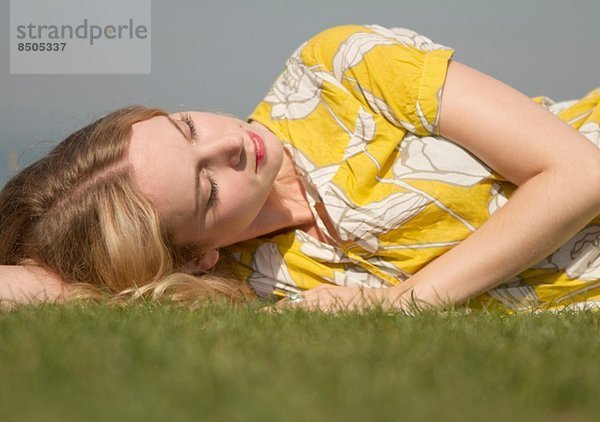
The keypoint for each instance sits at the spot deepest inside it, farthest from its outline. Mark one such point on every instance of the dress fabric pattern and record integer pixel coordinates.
(358, 107)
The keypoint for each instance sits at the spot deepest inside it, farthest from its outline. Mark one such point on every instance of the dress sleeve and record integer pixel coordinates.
(394, 71)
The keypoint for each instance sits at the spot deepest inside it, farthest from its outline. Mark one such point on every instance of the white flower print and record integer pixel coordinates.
(322, 76)
(588, 305)
(273, 272)
(436, 158)
(498, 198)
(354, 276)
(408, 37)
(429, 127)
(515, 294)
(580, 257)
(591, 130)
(351, 52)
(557, 107)
(364, 224)
(382, 108)
(315, 176)
(324, 252)
(296, 91)
(364, 132)
(387, 267)
(319, 250)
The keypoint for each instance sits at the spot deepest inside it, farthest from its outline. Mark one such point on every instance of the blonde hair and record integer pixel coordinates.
(78, 213)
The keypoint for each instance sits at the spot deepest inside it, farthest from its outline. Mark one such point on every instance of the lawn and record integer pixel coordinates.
(218, 362)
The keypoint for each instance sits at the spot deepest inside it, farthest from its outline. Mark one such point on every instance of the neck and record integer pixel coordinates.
(286, 206)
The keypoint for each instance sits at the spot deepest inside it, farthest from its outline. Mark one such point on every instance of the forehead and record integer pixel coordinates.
(149, 133)
(155, 149)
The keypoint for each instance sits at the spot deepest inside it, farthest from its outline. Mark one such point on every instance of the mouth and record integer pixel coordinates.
(259, 148)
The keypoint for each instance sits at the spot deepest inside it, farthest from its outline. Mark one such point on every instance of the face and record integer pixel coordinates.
(207, 174)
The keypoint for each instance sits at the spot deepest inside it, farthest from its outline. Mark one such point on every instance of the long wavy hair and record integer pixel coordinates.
(79, 213)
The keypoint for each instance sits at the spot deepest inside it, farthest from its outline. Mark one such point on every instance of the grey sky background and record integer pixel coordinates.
(224, 55)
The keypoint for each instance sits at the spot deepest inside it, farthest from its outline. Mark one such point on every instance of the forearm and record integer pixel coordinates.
(28, 284)
(542, 214)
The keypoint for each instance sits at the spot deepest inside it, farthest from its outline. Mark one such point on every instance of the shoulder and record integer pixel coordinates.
(364, 37)
(340, 48)
(336, 34)
(321, 46)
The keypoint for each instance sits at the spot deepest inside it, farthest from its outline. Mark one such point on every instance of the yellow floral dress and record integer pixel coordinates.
(357, 107)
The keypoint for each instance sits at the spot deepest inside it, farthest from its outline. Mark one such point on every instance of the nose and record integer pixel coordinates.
(226, 150)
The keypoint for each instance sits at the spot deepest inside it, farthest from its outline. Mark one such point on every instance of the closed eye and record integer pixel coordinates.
(213, 197)
(187, 119)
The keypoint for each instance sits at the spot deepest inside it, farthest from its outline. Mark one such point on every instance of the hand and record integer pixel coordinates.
(329, 298)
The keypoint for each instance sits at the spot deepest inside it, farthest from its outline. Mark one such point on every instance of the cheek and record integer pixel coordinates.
(242, 201)
(240, 205)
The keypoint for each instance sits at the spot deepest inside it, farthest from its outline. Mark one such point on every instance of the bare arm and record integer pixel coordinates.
(556, 168)
(28, 284)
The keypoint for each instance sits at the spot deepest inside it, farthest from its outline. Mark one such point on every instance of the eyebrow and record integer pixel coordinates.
(198, 187)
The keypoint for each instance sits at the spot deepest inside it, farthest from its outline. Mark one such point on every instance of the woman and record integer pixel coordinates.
(376, 171)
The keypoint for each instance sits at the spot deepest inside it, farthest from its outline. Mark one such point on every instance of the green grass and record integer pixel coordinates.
(151, 362)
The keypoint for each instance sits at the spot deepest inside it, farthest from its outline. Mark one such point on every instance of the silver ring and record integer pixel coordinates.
(295, 298)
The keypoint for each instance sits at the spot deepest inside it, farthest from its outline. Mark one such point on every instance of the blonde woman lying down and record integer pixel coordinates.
(375, 171)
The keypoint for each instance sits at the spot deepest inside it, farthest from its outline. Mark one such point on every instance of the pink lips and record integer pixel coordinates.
(259, 147)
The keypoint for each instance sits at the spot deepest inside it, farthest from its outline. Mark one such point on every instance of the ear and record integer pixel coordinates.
(203, 263)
